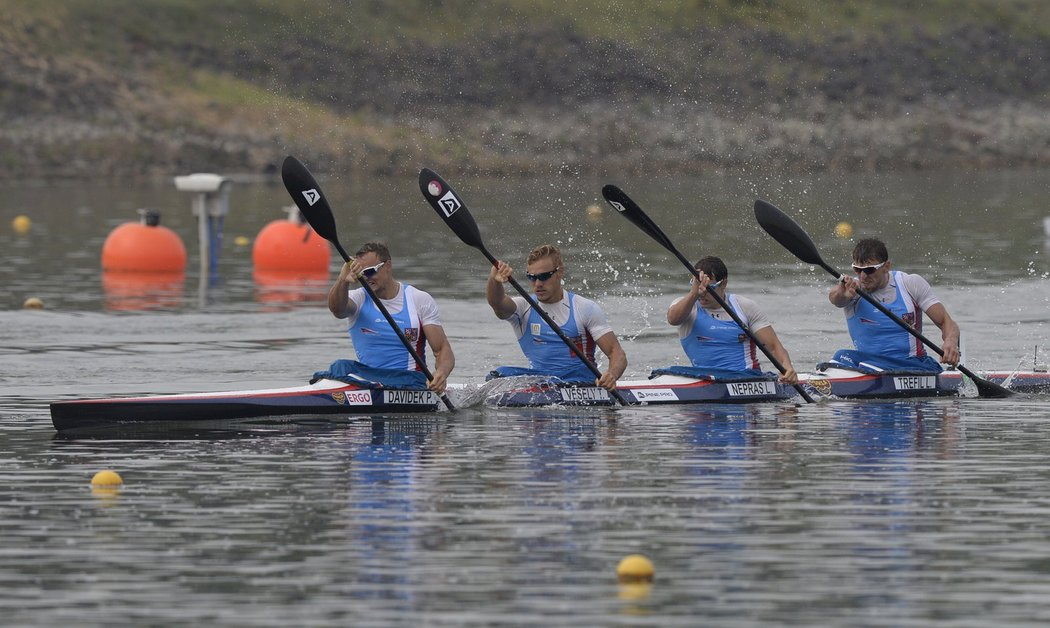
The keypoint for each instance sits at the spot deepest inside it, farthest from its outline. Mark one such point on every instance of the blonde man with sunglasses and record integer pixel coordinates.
(581, 320)
(880, 343)
(377, 346)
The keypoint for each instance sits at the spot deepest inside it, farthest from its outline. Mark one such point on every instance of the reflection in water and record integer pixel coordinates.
(130, 291)
(885, 431)
(281, 288)
(386, 486)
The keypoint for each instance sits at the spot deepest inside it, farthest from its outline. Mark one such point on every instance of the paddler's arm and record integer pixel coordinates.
(844, 292)
(444, 360)
(949, 332)
(769, 338)
(502, 305)
(610, 346)
(681, 309)
(339, 302)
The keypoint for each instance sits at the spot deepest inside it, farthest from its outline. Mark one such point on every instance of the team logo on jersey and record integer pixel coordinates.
(311, 196)
(535, 329)
(909, 317)
(412, 333)
(449, 204)
(369, 331)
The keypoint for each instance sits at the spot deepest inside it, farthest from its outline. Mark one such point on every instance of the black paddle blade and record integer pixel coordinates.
(631, 211)
(788, 233)
(308, 197)
(450, 208)
(986, 388)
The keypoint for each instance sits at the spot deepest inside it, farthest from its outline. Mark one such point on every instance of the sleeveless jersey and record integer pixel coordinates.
(718, 344)
(376, 343)
(873, 332)
(547, 352)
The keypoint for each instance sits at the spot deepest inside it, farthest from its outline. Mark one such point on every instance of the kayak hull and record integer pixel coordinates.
(338, 399)
(327, 397)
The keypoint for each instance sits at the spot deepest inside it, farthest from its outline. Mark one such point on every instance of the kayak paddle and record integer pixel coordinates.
(311, 201)
(630, 210)
(454, 212)
(795, 239)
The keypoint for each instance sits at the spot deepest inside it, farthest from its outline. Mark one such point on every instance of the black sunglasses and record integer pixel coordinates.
(867, 270)
(542, 276)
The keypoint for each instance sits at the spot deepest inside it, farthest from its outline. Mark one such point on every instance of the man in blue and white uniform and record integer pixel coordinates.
(880, 343)
(715, 344)
(415, 312)
(581, 319)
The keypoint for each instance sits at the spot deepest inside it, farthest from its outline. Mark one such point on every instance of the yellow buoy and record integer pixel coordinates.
(33, 303)
(635, 568)
(106, 478)
(21, 224)
(242, 241)
(843, 230)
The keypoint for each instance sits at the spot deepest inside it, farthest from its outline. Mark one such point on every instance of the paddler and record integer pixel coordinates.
(378, 348)
(581, 320)
(716, 345)
(880, 343)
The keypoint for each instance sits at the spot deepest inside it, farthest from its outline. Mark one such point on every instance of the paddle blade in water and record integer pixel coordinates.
(449, 207)
(631, 211)
(787, 232)
(308, 197)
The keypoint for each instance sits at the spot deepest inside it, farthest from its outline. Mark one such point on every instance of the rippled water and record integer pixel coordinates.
(842, 513)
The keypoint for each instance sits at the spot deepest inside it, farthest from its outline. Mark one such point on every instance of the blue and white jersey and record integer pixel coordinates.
(875, 333)
(376, 343)
(579, 318)
(716, 343)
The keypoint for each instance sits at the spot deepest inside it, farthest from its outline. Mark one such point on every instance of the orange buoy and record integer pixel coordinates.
(290, 246)
(144, 247)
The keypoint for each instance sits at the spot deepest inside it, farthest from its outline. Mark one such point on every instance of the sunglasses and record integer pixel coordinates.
(867, 270)
(542, 276)
(713, 285)
(371, 271)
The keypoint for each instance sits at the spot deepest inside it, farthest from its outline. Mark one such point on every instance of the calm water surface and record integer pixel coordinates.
(889, 513)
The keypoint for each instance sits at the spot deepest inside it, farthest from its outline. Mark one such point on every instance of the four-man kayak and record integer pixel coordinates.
(331, 397)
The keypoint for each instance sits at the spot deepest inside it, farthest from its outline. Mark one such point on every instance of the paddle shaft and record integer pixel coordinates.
(393, 324)
(550, 322)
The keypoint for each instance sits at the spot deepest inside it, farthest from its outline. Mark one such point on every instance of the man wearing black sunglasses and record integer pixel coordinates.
(581, 319)
(880, 343)
(717, 347)
(415, 312)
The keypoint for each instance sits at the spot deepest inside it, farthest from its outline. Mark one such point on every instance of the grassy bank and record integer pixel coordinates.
(141, 88)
